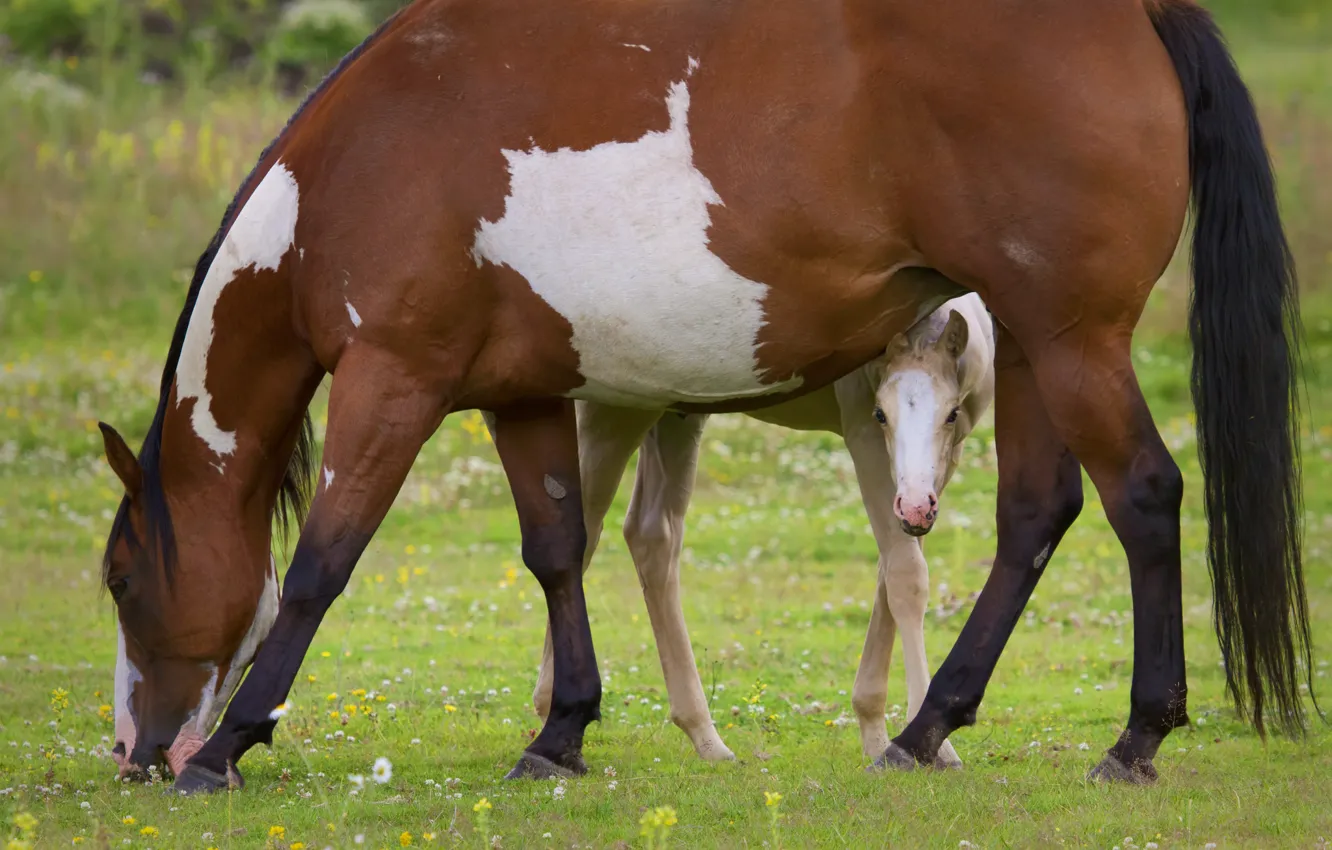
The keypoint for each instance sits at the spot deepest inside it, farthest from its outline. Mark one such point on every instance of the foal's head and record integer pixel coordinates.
(191, 607)
(918, 403)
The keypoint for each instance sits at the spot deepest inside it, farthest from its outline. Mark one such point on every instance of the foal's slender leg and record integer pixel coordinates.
(901, 589)
(1040, 495)
(654, 530)
(538, 444)
(607, 437)
(378, 419)
(907, 590)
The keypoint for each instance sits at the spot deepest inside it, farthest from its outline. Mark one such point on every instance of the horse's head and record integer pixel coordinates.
(918, 401)
(191, 609)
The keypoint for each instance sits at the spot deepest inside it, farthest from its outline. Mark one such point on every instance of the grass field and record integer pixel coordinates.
(429, 659)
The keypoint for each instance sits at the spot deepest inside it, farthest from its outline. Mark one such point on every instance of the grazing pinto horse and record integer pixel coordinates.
(708, 205)
(924, 396)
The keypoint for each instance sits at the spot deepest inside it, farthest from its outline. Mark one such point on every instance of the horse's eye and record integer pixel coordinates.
(878, 414)
(117, 587)
(952, 417)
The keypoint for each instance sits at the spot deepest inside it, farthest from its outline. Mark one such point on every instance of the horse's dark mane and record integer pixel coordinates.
(295, 492)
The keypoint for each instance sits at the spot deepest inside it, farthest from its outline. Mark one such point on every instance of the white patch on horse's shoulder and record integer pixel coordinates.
(642, 47)
(260, 236)
(355, 316)
(328, 478)
(1041, 558)
(615, 239)
(693, 66)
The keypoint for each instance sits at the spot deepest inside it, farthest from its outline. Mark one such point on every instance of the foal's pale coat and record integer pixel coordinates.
(931, 387)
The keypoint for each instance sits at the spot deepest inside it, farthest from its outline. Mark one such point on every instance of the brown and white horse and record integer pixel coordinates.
(708, 205)
(903, 416)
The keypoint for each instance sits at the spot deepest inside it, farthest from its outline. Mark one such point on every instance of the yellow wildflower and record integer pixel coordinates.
(128, 820)
(771, 799)
(149, 832)
(406, 838)
(482, 805)
(277, 831)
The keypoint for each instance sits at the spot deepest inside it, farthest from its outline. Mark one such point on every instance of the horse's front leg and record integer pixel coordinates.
(378, 419)
(538, 445)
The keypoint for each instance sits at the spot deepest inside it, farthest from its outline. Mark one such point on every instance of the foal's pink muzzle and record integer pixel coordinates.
(916, 514)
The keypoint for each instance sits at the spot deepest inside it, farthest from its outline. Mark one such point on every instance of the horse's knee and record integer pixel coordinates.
(869, 701)
(651, 542)
(309, 583)
(554, 554)
(1155, 484)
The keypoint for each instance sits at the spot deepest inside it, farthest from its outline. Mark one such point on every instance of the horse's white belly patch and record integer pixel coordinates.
(615, 239)
(260, 236)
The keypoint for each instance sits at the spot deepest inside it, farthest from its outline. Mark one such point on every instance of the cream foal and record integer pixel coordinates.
(904, 417)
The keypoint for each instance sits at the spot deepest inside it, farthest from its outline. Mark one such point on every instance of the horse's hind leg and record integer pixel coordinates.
(538, 445)
(1040, 494)
(607, 437)
(654, 530)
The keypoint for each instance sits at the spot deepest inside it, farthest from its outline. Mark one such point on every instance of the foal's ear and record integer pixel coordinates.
(122, 460)
(898, 345)
(953, 340)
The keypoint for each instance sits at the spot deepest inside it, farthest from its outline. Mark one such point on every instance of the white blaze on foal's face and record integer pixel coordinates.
(917, 402)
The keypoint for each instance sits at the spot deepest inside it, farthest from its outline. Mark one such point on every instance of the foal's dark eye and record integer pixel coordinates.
(117, 587)
(878, 414)
(952, 417)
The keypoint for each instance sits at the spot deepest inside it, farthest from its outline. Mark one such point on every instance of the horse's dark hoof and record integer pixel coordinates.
(894, 757)
(1112, 769)
(200, 780)
(534, 766)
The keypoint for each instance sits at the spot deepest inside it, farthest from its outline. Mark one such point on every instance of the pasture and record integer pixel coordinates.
(108, 194)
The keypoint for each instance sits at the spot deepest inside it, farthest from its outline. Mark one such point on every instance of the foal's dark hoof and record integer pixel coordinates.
(200, 780)
(942, 762)
(1112, 769)
(894, 757)
(534, 766)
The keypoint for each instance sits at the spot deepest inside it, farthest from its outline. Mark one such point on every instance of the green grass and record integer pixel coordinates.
(103, 208)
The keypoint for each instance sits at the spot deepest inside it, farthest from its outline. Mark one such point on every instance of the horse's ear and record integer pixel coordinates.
(122, 460)
(953, 340)
(898, 345)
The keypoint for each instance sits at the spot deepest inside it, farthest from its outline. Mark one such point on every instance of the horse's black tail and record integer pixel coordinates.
(1245, 328)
